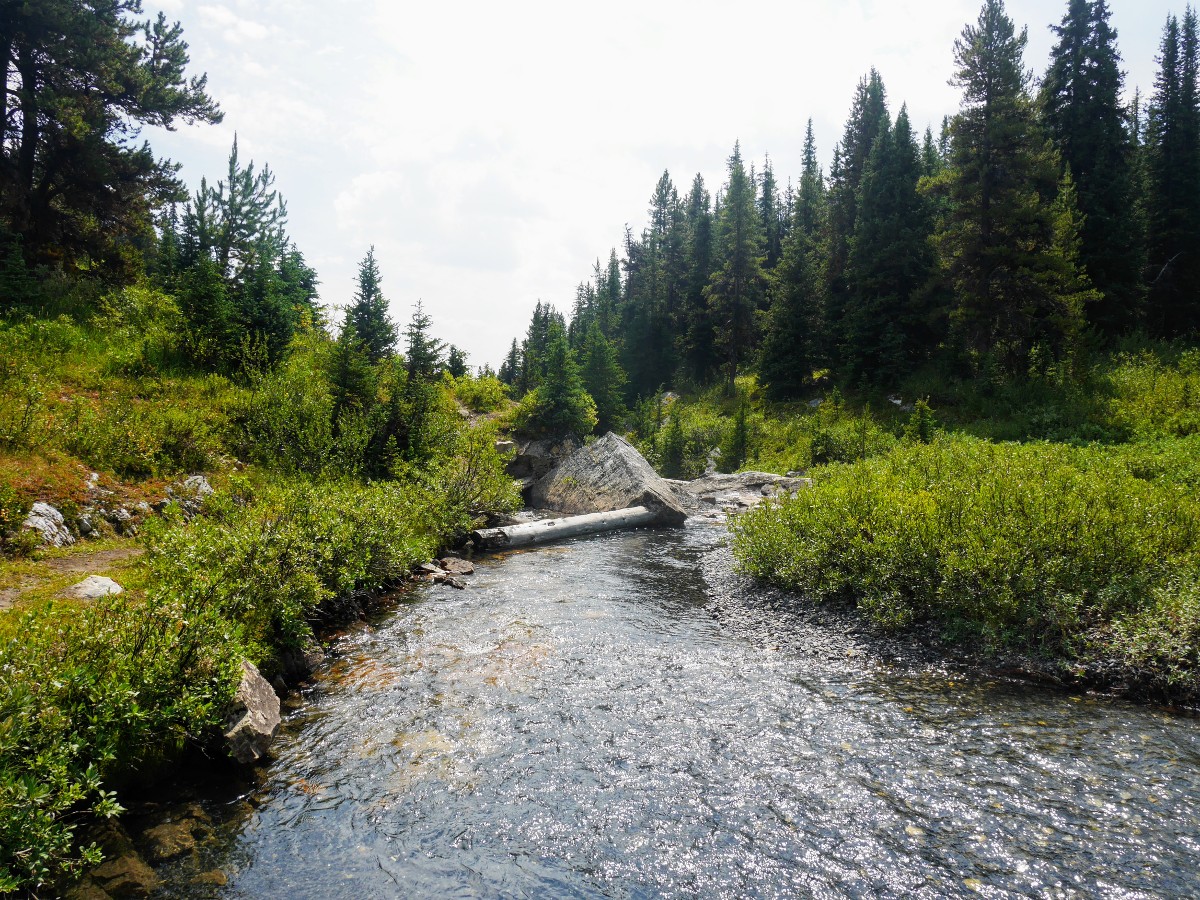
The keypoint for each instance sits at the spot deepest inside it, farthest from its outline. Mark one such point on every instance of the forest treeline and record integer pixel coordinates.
(1044, 218)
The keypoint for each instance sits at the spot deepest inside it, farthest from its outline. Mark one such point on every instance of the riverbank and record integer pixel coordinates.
(1078, 565)
(100, 693)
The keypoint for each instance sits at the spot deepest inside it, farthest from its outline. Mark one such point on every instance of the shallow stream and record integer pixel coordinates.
(620, 717)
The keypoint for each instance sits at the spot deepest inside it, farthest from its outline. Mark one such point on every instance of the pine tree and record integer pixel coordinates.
(368, 312)
(737, 286)
(1081, 105)
(998, 237)
(81, 79)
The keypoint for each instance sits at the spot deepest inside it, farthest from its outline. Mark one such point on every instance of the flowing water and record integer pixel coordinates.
(621, 717)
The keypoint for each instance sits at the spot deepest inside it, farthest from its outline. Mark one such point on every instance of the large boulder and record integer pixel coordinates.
(93, 588)
(534, 459)
(253, 718)
(49, 523)
(606, 475)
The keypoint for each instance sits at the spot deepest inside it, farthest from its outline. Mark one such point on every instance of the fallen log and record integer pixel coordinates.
(527, 533)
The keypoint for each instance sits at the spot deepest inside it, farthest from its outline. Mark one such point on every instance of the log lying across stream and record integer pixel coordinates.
(556, 529)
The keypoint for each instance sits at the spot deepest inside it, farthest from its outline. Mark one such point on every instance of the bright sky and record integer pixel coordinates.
(492, 151)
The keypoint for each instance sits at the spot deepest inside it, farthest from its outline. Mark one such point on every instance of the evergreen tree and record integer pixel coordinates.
(1081, 105)
(368, 312)
(424, 353)
(563, 406)
(890, 261)
(737, 286)
(456, 362)
(1173, 177)
(81, 79)
(353, 381)
(696, 327)
(868, 116)
(510, 369)
(603, 378)
(998, 237)
(793, 331)
(771, 216)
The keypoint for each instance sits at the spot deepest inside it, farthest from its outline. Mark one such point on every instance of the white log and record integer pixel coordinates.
(557, 529)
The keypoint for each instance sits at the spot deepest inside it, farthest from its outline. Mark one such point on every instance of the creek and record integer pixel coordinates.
(621, 716)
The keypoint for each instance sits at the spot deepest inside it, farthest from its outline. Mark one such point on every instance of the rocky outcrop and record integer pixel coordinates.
(253, 717)
(734, 492)
(535, 459)
(49, 523)
(604, 476)
(93, 588)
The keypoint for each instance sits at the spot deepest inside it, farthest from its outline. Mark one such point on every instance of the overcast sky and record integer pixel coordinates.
(492, 151)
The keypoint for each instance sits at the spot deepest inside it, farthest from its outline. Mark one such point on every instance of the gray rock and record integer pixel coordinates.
(253, 717)
(606, 475)
(738, 490)
(191, 493)
(49, 523)
(122, 519)
(85, 524)
(535, 459)
(503, 447)
(93, 588)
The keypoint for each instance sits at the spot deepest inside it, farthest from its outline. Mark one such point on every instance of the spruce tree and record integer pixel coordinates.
(890, 261)
(737, 286)
(695, 326)
(603, 378)
(368, 312)
(1173, 177)
(423, 353)
(1081, 105)
(563, 404)
(998, 235)
(793, 329)
(868, 116)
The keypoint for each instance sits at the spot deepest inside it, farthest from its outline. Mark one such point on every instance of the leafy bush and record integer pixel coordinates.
(137, 439)
(1043, 548)
(87, 694)
(482, 395)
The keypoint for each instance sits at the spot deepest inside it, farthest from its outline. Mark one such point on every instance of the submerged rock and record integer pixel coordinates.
(49, 523)
(604, 476)
(253, 718)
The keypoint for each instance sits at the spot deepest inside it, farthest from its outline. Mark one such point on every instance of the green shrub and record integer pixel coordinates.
(482, 395)
(1037, 547)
